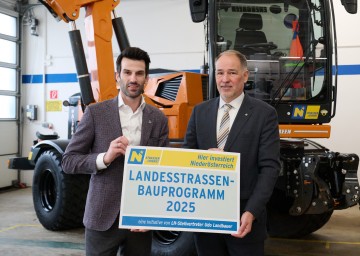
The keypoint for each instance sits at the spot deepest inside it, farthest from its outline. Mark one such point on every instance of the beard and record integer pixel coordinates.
(129, 91)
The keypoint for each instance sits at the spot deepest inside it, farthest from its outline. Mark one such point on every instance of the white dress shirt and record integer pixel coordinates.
(131, 123)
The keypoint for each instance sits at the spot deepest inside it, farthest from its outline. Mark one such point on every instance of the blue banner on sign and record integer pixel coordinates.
(179, 223)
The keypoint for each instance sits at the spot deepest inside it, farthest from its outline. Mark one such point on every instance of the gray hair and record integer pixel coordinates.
(239, 55)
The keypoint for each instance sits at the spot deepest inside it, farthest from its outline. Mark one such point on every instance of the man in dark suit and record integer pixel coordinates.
(98, 148)
(252, 130)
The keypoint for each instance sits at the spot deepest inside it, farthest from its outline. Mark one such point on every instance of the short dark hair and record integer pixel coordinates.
(239, 55)
(133, 53)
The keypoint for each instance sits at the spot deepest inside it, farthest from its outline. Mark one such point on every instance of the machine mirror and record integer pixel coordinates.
(350, 6)
(198, 10)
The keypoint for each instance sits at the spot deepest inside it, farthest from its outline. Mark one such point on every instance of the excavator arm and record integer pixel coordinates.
(98, 23)
(175, 93)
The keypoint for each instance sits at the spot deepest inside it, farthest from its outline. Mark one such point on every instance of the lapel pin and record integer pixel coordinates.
(246, 114)
(150, 122)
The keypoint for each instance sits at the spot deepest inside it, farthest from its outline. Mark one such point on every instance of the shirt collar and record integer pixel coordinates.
(122, 103)
(236, 103)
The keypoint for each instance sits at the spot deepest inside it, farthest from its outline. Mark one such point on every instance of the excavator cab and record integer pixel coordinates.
(290, 46)
(289, 51)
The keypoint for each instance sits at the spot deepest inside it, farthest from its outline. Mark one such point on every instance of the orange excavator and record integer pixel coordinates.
(300, 84)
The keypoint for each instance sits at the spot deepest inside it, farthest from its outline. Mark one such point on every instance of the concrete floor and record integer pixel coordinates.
(21, 233)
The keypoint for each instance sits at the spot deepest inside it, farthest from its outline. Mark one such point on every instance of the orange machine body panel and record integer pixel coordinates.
(304, 131)
(186, 91)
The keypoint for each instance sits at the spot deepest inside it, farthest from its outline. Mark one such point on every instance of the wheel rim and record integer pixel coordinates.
(47, 191)
(166, 237)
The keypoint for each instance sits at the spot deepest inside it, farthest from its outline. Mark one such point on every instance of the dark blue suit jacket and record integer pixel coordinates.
(255, 135)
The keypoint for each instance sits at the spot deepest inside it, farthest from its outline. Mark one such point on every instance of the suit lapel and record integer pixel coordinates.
(210, 122)
(114, 116)
(147, 124)
(241, 118)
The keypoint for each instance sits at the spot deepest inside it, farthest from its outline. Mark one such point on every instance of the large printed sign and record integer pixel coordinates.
(180, 189)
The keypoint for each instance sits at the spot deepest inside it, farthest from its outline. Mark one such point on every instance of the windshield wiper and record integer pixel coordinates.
(293, 74)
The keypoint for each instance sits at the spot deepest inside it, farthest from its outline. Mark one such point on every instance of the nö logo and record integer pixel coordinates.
(136, 156)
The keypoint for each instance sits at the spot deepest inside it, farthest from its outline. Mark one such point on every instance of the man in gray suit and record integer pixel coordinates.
(250, 128)
(98, 148)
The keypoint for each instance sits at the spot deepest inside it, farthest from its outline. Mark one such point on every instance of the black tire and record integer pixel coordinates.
(59, 198)
(173, 243)
(281, 224)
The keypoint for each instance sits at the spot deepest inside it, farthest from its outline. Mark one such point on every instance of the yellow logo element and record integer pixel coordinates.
(299, 112)
(199, 160)
(136, 156)
(152, 157)
(312, 112)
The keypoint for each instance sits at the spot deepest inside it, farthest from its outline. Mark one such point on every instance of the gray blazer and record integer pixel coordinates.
(100, 125)
(255, 135)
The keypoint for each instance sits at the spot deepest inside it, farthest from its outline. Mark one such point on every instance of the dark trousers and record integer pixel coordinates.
(226, 245)
(107, 243)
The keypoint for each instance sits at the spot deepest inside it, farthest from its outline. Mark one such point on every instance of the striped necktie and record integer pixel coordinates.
(224, 127)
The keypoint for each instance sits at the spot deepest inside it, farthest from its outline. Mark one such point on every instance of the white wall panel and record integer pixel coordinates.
(8, 147)
(8, 138)
(6, 175)
(164, 28)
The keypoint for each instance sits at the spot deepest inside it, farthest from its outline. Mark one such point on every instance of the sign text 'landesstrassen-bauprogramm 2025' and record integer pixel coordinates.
(180, 189)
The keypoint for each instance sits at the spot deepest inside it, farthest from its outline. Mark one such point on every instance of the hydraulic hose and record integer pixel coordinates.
(81, 67)
(120, 33)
